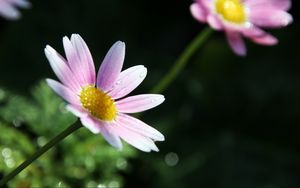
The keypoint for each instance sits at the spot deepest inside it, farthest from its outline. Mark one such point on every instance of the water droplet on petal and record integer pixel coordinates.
(118, 82)
(142, 75)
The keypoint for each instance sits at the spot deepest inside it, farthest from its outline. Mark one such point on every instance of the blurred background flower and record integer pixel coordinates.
(243, 18)
(228, 121)
(9, 8)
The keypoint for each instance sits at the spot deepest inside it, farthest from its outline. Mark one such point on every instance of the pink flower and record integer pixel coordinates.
(99, 102)
(8, 8)
(243, 18)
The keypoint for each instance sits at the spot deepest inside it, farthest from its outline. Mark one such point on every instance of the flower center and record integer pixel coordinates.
(98, 103)
(231, 10)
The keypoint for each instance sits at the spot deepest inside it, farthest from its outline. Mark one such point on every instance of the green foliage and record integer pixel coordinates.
(82, 159)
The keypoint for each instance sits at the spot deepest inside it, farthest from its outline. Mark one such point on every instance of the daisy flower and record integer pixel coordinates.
(99, 101)
(8, 8)
(243, 18)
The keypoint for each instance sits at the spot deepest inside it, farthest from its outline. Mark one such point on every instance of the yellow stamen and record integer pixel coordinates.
(231, 10)
(98, 103)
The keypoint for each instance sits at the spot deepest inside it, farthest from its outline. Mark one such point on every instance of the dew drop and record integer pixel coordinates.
(142, 75)
(118, 82)
(171, 159)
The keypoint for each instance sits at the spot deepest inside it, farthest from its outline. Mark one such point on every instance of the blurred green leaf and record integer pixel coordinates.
(82, 159)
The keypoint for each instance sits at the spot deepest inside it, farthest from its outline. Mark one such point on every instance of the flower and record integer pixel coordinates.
(243, 18)
(99, 101)
(8, 8)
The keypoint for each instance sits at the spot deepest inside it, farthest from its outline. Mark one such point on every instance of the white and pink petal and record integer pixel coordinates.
(140, 142)
(236, 42)
(73, 61)
(269, 17)
(19, 3)
(63, 91)
(127, 81)
(265, 39)
(8, 11)
(111, 66)
(278, 4)
(214, 22)
(92, 124)
(77, 110)
(111, 135)
(198, 12)
(139, 127)
(86, 62)
(61, 69)
(139, 103)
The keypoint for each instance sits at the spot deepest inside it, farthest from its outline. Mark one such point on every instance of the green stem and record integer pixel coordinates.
(182, 60)
(40, 152)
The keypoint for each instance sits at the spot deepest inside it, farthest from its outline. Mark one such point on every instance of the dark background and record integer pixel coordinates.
(231, 121)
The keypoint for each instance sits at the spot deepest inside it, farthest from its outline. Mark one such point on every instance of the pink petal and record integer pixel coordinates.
(140, 142)
(198, 12)
(266, 39)
(214, 22)
(111, 66)
(91, 124)
(85, 58)
(139, 127)
(205, 3)
(127, 81)
(77, 110)
(63, 91)
(269, 17)
(139, 103)
(96, 126)
(74, 61)
(110, 134)
(259, 36)
(61, 69)
(253, 31)
(9, 11)
(20, 3)
(278, 4)
(236, 42)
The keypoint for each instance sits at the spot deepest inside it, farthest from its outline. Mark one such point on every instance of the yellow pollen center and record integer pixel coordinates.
(231, 10)
(98, 103)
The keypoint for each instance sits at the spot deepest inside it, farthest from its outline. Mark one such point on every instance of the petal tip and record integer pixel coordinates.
(289, 19)
(49, 50)
(66, 38)
(120, 44)
(118, 147)
(161, 98)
